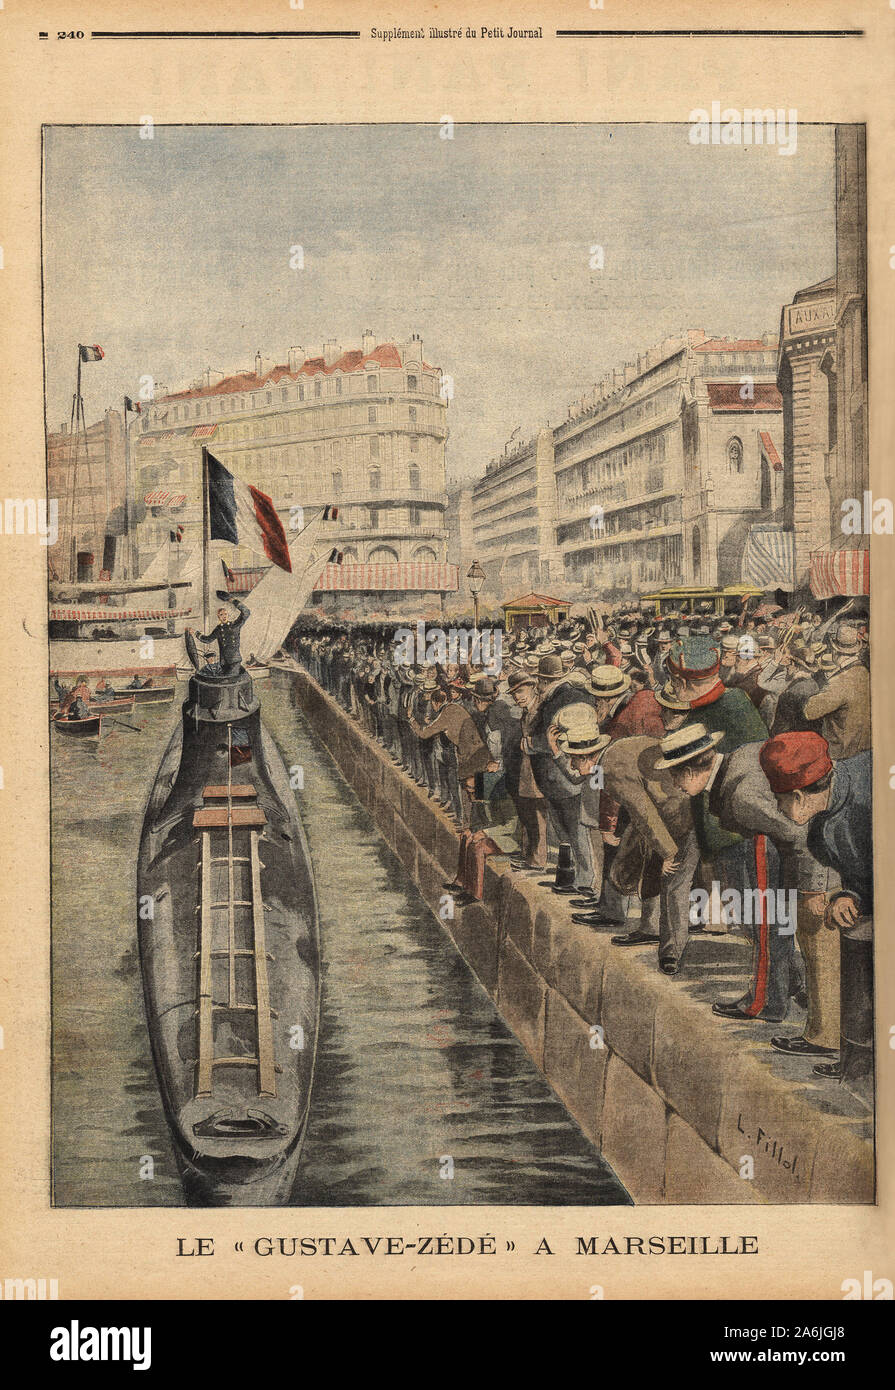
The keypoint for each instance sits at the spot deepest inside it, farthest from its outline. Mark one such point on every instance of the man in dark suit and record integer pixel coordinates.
(226, 634)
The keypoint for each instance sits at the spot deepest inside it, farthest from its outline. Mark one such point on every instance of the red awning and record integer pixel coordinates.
(116, 615)
(835, 572)
(203, 431)
(161, 498)
(769, 450)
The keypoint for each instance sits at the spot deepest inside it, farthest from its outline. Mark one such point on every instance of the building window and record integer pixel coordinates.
(269, 395)
(412, 414)
(414, 444)
(735, 455)
(174, 413)
(318, 387)
(371, 383)
(371, 415)
(374, 519)
(285, 486)
(374, 479)
(374, 446)
(415, 479)
(338, 386)
(383, 555)
(337, 481)
(301, 391)
(284, 393)
(413, 383)
(426, 554)
(416, 516)
(318, 455)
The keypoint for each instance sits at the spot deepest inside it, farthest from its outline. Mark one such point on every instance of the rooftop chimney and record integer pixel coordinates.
(332, 351)
(368, 342)
(296, 358)
(414, 350)
(257, 363)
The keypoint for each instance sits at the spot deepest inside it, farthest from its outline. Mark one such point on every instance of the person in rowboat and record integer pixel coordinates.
(226, 634)
(77, 709)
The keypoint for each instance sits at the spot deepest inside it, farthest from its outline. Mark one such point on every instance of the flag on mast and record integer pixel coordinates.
(242, 515)
(134, 406)
(91, 352)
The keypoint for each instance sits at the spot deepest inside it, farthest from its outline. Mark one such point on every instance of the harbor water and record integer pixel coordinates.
(422, 1095)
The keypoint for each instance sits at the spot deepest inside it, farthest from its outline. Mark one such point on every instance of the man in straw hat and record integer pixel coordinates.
(843, 705)
(556, 689)
(760, 862)
(647, 862)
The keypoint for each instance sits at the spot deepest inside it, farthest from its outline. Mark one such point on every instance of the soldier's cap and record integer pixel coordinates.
(609, 681)
(694, 658)
(794, 760)
(686, 743)
(669, 697)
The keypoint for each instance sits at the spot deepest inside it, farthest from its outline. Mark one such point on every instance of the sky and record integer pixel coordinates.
(174, 253)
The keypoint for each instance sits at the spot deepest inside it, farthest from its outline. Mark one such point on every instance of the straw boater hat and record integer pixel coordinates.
(581, 734)
(546, 648)
(609, 681)
(669, 697)
(686, 743)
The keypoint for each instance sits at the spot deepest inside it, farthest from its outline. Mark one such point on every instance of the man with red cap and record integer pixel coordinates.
(834, 799)
(757, 854)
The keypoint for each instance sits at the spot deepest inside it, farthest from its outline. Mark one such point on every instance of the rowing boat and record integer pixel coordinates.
(78, 728)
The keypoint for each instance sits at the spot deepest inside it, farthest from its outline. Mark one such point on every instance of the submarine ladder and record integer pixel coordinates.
(217, 821)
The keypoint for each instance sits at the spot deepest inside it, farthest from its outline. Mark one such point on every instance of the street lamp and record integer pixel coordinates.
(476, 576)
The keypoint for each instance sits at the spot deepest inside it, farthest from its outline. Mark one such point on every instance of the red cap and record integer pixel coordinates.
(793, 761)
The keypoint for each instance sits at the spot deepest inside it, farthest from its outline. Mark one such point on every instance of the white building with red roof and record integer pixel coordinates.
(363, 428)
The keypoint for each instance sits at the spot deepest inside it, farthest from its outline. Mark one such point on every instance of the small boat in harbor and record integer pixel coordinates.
(89, 727)
(154, 695)
(229, 954)
(120, 704)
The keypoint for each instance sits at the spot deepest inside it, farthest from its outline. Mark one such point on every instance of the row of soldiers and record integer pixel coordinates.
(695, 774)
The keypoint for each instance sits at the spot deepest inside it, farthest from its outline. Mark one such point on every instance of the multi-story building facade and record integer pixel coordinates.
(822, 374)
(662, 470)
(86, 475)
(513, 517)
(364, 429)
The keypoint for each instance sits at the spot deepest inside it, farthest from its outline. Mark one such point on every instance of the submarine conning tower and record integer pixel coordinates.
(219, 699)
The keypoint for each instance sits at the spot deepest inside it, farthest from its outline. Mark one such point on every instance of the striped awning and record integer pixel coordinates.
(835, 572)
(410, 575)
(116, 615)
(769, 558)
(203, 431)
(161, 498)
(429, 575)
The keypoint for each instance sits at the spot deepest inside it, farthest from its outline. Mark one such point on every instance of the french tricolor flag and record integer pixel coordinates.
(244, 516)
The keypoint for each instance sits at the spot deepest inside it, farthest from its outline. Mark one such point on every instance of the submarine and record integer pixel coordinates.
(229, 950)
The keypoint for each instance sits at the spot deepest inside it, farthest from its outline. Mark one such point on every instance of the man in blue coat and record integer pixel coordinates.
(836, 798)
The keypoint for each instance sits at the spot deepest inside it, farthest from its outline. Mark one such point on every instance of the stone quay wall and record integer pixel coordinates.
(673, 1104)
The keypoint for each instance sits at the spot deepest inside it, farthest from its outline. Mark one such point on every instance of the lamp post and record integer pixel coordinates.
(476, 576)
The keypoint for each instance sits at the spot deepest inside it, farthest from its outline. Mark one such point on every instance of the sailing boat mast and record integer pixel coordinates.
(206, 543)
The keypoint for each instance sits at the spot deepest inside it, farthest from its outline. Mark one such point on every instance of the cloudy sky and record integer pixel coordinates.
(174, 253)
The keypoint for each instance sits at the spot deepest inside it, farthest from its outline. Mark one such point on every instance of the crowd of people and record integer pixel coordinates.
(690, 774)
